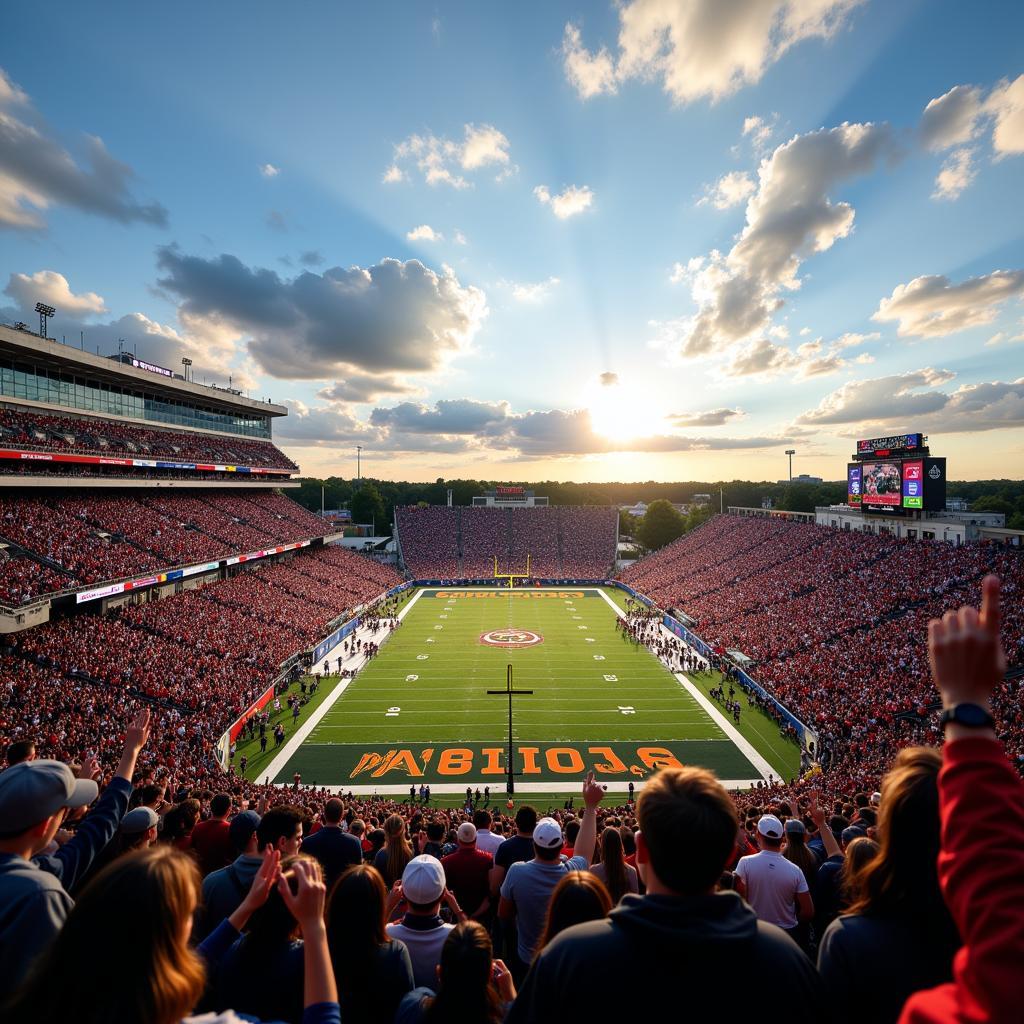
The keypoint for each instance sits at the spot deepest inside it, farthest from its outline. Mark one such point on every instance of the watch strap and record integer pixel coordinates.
(973, 716)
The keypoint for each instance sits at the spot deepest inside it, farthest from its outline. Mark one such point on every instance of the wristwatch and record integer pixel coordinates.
(974, 716)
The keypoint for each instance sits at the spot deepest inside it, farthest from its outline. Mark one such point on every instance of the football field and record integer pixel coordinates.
(420, 711)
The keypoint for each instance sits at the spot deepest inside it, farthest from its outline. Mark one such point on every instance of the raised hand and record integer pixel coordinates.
(965, 652)
(593, 792)
(90, 768)
(816, 813)
(262, 883)
(137, 733)
(307, 902)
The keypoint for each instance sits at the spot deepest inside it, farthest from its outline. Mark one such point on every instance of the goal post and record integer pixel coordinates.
(511, 576)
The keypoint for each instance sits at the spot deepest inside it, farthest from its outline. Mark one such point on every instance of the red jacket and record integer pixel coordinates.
(981, 871)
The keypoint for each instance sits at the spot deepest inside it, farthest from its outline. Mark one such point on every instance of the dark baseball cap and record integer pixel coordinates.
(242, 827)
(32, 791)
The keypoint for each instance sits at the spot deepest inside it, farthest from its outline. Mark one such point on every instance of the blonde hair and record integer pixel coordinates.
(124, 949)
(398, 851)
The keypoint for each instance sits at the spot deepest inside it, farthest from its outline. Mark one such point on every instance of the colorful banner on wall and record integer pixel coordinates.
(103, 460)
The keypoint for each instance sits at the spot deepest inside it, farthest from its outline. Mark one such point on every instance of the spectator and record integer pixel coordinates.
(529, 884)
(516, 848)
(685, 940)
(211, 839)
(486, 840)
(467, 871)
(472, 988)
(331, 846)
(373, 971)
(396, 853)
(223, 890)
(421, 929)
(898, 931)
(20, 750)
(34, 886)
(138, 912)
(774, 887)
(579, 897)
(617, 876)
(981, 802)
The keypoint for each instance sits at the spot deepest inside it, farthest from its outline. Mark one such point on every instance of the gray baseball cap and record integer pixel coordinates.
(138, 820)
(32, 791)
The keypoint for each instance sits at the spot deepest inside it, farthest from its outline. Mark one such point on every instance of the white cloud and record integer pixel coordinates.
(52, 288)
(424, 233)
(956, 174)
(609, 379)
(953, 118)
(1006, 105)
(698, 48)
(460, 238)
(590, 74)
(895, 400)
(711, 418)
(788, 218)
(269, 170)
(37, 172)
(804, 331)
(730, 190)
(759, 130)
(441, 160)
(571, 201)
(534, 293)
(932, 307)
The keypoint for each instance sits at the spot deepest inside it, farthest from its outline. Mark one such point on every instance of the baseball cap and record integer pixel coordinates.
(138, 820)
(423, 879)
(795, 825)
(547, 833)
(876, 799)
(34, 790)
(850, 833)
(467, 832)
(242, 827)
(769, 826)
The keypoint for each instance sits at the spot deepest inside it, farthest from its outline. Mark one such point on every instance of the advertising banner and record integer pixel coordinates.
(913, 484)
(854, 491)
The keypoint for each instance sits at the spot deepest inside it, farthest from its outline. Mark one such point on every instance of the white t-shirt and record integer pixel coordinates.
(488, 841)
(424, 949)
(772, 885)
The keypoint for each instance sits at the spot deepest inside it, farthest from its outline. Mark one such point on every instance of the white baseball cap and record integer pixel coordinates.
(423, 879)
(547, 833)
(32, 791)
(769, 826)
(467, 833)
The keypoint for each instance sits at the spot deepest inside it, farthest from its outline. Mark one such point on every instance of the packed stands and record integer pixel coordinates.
(835, 623)
(83, 537)
(20, 428)
(462, 543)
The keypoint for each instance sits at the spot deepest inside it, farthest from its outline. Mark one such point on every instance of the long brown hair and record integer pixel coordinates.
(465, 993)
(616, 878)
(123, 951)
(796, 852)
(397, 849)
(858, 854)
(355, 931)
(578, 897)
(901, 880)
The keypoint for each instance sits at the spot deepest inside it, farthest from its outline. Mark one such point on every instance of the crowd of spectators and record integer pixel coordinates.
(171, 895)
(86, 537)
(563, 542)
(47, 432)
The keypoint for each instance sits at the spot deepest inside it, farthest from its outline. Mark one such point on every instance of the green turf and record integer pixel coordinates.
(388, 730)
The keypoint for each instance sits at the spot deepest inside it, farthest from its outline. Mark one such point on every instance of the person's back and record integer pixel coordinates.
(689, 944)
(774, 886)
(334, 848)
(211, 839)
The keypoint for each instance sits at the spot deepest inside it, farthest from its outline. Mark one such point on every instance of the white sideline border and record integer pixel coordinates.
(299, 736)
(741, 742)
(445, 788)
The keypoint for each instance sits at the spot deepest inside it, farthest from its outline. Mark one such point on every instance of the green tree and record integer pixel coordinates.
(660, 525)
(368, 505)
(992, 503)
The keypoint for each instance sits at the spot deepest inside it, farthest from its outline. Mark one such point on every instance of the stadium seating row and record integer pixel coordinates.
(82, 537)
(461, 543)
(23, 429)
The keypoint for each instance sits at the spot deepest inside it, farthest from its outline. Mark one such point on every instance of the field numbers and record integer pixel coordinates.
(392, 712)
(422, 657)
(430, 639)
(628, 710)
(611, 679)
(411, 678)
(598, 657)
(581, 627)
(439, 627)
(590, 640)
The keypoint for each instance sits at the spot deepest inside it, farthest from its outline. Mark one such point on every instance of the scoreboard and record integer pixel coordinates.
(897, 486)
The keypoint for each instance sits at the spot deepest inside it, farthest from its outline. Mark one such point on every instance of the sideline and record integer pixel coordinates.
(357, 662)
(741, 742)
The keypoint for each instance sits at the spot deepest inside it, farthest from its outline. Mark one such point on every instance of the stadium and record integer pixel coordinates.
(405, 614)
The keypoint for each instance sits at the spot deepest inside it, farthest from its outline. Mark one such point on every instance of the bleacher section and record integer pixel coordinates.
(563, 542)
(64, 435)
(80, 537)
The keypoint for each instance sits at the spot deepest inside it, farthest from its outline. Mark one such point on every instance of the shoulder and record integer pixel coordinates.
(413, 1005)
(577, 864)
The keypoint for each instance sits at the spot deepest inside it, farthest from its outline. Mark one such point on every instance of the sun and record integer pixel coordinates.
(621, 412)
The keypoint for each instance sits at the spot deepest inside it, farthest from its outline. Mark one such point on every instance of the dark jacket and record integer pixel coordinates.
(690, 953)
(336, 850)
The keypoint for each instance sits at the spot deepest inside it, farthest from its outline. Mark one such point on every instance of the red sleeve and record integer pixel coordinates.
(981, 870)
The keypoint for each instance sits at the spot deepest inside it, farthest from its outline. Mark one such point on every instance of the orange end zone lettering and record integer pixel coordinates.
(455, 761)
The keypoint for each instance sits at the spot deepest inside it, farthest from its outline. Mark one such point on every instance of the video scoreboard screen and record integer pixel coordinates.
(895, 486)
(894, 445)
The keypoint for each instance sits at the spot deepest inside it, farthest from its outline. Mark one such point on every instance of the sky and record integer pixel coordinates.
(651, 240)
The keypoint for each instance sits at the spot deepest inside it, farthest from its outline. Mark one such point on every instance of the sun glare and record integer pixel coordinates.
(620, 412)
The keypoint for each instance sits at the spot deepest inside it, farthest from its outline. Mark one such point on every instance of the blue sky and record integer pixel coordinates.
(657, 240)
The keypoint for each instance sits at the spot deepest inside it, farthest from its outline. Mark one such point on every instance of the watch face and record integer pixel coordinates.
(971, 714)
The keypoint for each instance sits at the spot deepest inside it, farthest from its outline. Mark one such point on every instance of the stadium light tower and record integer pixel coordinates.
(45, 312)
(359, 472)
(186, 362)
(791, 452)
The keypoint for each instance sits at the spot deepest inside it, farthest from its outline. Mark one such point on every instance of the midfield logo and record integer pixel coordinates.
(511, 638)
